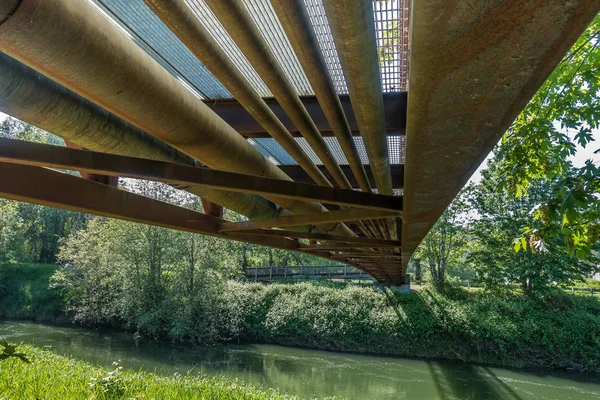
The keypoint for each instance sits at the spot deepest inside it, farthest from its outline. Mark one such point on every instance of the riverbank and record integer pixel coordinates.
(560, 331)
(52, 376)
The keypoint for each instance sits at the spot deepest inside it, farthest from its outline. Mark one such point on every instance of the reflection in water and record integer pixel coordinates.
(309, 373)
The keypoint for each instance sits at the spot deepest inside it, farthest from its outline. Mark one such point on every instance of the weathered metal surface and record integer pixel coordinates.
(353, 29)
(235, 115)
(7, 7)
(324, 237)
(298, 175)
(211, 208)
(294, 18)
(347, 246)
(349, 214)
(55, 189)
(474, 65)
(37, 154)
(235, 18)
(33, 98)
(105, 179)
(180, 19)
(71, 42)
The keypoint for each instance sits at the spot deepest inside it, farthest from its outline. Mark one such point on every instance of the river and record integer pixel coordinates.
(309, 373)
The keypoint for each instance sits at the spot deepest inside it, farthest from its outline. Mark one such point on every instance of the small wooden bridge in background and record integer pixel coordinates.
(337, 272)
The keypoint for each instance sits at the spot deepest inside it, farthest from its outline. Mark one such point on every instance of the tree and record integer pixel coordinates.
(542, 260)
(12, 242)
(538, 145)
(443, 243)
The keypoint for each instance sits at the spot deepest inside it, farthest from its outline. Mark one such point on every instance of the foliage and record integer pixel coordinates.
(552, 330)
(10, 350)
(442, 246)
(556, 331)
(11, 224)
(543, 261)
(28, 232)
(24, 293)
(51, 376)
(560, 117)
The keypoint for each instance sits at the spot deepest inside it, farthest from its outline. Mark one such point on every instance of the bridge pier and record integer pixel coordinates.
(403, 288)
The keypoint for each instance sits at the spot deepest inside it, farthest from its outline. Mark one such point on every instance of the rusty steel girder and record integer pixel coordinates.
(474, 66)
(71, 42)
(33, 98)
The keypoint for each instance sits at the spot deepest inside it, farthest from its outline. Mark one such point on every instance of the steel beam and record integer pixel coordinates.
(348, 246)
(324, 237)
(353, 28)
(349, 214)
(294, 18)
(234, 114)
(234, 16)
(474, 66)
(182, 21)
(72, 43)
(37, 154)
(298, 175)
(55, 189)
(32, 97)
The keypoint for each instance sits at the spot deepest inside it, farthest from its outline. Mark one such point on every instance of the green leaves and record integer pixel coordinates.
(520, 244)
(10, 350)
(539, 144)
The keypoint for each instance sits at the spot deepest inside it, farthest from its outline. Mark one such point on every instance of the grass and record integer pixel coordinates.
(51, 376)
(24, 293)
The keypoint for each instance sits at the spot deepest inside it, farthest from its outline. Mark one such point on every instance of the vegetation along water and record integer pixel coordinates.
(305, 373)
(156, 298)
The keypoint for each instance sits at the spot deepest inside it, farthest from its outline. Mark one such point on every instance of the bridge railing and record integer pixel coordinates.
(304, 271)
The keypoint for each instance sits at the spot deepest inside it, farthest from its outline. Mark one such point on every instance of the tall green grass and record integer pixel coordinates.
(51, 376)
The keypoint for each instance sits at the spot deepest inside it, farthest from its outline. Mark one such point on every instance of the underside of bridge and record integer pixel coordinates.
(338, 128)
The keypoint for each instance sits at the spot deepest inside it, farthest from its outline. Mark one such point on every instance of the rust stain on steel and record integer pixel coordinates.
(72, 43)
(234, 16)
(474, 66)
(31, 97)
(294, 18)
(180, 19)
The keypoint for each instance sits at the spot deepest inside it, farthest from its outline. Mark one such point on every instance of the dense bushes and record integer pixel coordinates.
(556, 331)
(560, 331)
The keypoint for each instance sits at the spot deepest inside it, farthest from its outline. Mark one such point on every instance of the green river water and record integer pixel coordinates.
(309, 373)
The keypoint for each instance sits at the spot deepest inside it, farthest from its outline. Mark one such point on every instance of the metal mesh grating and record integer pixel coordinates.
(396, 149)
(146, 30)
(270, 148)
(211, 22)
(391, 27)
(320, 24)
(266, 20)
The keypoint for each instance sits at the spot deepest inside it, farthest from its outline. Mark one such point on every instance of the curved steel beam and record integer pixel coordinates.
(235, 18)
(180, 19)
(72, 43)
